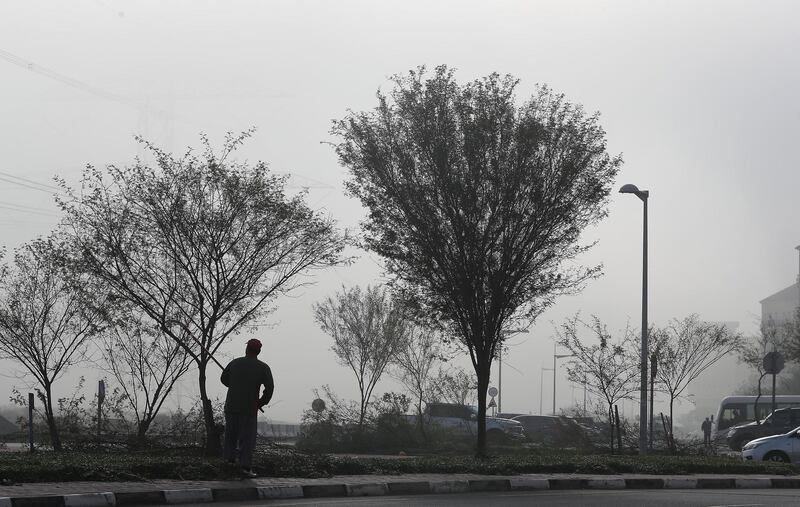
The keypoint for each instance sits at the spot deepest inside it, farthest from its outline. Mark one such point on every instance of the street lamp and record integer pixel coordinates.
(556, 356)
(643, 195)
(510, 332)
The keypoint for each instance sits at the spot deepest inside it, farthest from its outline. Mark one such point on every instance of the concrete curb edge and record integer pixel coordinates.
(343, 489)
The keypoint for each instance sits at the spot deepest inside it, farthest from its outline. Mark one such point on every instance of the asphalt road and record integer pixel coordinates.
(618, 498)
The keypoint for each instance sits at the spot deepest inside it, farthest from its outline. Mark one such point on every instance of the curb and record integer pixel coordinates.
(337, 489)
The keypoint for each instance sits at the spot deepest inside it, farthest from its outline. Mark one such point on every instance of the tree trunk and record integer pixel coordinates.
(362, 412)
(213, 444)
(420, 421)
(671, 402)
(141, 431)
(482, 370)
(611, 425)
(55, 438)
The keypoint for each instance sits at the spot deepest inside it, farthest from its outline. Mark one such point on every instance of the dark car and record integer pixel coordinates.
(553, 430)
(777, 423)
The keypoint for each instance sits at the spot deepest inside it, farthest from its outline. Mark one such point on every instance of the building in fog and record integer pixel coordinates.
(780, 308)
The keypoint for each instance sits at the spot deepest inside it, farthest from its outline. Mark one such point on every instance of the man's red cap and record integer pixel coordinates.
(253, 346)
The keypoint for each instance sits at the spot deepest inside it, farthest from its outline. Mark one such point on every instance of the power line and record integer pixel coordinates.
(99, 92)
(26, 185)
(26, 64)
(43, 213)
(23, 206)
(29, 181)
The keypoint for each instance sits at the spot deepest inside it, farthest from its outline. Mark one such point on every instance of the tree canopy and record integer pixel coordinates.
(476, 202)
(201, 244)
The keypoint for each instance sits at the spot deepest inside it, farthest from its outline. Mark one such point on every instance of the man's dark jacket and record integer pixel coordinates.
(244, 377)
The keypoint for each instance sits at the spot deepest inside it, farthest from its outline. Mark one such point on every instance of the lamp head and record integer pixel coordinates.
(629, 188)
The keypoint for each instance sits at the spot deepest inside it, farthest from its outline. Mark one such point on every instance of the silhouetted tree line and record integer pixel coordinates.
(476, 202)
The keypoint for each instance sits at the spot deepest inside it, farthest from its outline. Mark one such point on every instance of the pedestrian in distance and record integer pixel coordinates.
(244, 377)
(706, 427)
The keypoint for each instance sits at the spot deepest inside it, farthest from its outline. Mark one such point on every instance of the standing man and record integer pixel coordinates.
(706, 427)
(244, 377)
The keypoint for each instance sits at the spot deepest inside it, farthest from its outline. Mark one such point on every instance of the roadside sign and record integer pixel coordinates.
(492, 392)
(773, 363)
(492, 404)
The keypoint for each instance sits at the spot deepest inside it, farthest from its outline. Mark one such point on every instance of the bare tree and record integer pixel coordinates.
(45, 321)
(146, 363)
(752, 351)
(455, 385)
(476, 202)
(414, 366)
(606, 367)
(368, 329)
(201, 245)
(688, 347)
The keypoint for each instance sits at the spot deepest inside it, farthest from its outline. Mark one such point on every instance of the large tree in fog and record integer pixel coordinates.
(477, 201)
(200, 244)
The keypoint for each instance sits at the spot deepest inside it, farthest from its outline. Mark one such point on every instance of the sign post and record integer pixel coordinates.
(30, 420)
(492, 404)
(773, 364)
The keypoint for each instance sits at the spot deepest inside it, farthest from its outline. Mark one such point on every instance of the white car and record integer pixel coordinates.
(784, 448)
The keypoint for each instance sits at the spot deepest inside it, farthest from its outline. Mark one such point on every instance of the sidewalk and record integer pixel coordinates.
(176, 492)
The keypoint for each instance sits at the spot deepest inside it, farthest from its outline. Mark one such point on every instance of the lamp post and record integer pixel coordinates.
(541, 384)
(643, 195)
(556, 356)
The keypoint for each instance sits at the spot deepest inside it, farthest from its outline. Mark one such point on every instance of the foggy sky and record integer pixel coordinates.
(699, 97)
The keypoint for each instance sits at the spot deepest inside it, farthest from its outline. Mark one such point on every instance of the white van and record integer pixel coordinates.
(736, 410)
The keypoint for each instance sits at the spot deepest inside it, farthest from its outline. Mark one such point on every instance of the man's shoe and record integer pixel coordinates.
(248, 472)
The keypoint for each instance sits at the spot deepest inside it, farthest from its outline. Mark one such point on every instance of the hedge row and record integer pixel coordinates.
(189, 464)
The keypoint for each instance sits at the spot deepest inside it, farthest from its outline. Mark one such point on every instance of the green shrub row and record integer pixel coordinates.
(191, 465)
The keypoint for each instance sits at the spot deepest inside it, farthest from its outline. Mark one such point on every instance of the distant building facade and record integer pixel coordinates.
(781, 307)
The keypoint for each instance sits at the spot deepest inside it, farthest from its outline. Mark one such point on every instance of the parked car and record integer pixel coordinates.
(777, 423)
(554, 430)
(784, 448)
(463, 420)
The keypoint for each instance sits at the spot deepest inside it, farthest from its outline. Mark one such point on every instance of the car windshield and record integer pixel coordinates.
(780, 417)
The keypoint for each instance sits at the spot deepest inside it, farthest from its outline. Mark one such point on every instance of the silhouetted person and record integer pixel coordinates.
(244, 377)
(706, 427)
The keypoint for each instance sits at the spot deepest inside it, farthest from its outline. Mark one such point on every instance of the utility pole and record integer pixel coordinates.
(556, 356)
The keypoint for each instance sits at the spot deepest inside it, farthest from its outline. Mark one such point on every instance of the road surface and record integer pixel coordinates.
(594, 498)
